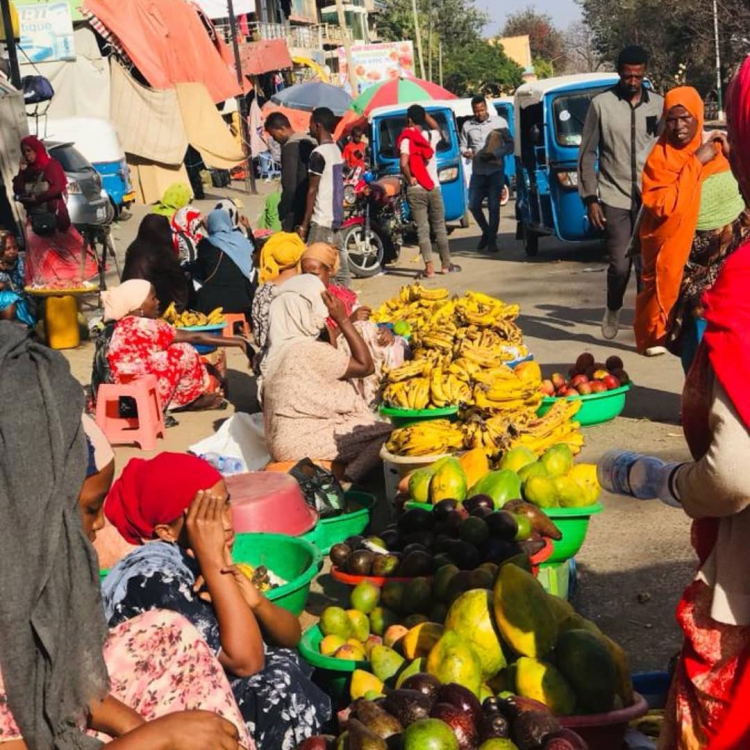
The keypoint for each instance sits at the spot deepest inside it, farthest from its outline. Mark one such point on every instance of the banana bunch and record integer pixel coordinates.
(408, 394)
(417, 292)
(493, 434)
(426, 438)
(446, 389)
(190, 318)
(556, 426)
(507, 396)
(414, 368)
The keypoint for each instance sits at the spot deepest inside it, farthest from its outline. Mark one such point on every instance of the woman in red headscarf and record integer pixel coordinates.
(179, 505)
(53, 245)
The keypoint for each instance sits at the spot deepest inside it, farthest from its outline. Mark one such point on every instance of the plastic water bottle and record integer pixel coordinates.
(629, 473)
(225, 465)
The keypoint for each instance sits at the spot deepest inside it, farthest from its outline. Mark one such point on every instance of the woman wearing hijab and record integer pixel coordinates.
(53, 246)
(178, 504)
(187, 231)
(239, 221)
(224, 267)
(175, 197)
(311, 407)
(141, 343)
(694, 219)
(151, 256)
(53, 676)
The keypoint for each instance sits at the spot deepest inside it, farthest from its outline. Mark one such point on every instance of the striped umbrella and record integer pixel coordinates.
(398, 91)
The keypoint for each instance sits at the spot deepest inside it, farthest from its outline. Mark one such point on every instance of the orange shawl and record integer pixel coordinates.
(672, 180)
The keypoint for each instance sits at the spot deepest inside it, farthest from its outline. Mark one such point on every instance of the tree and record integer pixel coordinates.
(545, 39)
(581, 54)
(481, 68)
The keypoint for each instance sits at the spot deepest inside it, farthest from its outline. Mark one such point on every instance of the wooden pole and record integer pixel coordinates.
(10, 43)
(419, 38)
(347, 47)
(429, 48)
(440, 63)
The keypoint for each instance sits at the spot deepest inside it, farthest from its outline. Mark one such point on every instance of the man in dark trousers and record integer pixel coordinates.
(295, 158)
(621, 127)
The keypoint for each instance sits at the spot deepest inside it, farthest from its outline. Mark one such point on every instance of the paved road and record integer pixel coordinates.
(637, 558)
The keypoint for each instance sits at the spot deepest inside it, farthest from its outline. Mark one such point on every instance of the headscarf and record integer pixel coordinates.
(52, 628)
(100, 451)
(42, 157)
(281, 252)
(188, 220)
(222, 236)
(156, 491)
(672, 180)
(297, 313)
(175, 197)
(327, 254)
(124, 299)
(232, 208)
(738, 115)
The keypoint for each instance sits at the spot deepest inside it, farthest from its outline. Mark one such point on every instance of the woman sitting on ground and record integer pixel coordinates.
(14, 303)
(151, 256)
(52, 626)
(178, 505)
(188, 229)
(224, 268)
(176, 196)
(141, 344)
(240, 222)
(311, 406)
(387, 350)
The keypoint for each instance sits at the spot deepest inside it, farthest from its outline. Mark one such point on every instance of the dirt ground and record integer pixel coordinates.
(637, 557)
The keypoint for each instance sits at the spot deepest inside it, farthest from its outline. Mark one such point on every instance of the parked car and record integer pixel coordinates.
(87, 201)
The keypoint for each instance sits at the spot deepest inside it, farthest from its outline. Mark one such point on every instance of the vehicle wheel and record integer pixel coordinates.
(505, 196)
(466, 220)
(530, 242)
(365, 254)
(116, 209)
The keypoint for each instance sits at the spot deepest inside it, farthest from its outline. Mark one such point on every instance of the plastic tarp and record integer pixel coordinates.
(12, 129)
(150, 179)
(168, 43)
(264, 56)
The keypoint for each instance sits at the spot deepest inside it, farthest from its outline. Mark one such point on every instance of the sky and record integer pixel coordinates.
(563, 12)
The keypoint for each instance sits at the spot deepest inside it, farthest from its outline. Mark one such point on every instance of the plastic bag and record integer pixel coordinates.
(321, 489)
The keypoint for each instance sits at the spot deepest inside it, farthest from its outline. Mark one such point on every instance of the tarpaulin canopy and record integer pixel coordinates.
(264, 56)
(168, 43)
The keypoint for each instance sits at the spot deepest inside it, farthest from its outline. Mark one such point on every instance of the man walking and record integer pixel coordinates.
(295, 156)
(486, 139)
(417, 145)
(621, 127)
(324, 210)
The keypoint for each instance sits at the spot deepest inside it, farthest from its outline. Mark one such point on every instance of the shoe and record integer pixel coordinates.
(610, 324)
(493, 248)
(655, 351)
(483, 242)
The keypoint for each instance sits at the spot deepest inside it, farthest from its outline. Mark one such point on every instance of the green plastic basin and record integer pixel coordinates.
(330, 531)
(595, 408)
(333, 675)
(295, 560)
(402, 417)
(573, 523)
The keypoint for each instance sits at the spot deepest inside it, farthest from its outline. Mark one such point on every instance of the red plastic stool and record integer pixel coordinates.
(231, 319)
(143, 429)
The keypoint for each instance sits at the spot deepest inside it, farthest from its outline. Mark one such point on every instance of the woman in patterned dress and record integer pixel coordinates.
(178, 505)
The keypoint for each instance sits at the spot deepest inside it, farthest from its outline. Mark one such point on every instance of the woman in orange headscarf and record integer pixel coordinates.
(694, 217)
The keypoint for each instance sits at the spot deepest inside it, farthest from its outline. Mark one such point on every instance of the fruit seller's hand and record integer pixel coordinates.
(335, 307)
(385, 336)
(361, 313)
(204, 525)
(249, 590)
(197, 730)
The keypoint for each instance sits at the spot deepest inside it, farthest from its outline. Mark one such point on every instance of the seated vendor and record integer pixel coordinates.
(175, 507)
(311, 407)
(14, 303)
(140, 343)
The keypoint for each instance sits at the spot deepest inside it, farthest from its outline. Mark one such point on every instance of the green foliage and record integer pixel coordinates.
(482, 68)
(546, 41)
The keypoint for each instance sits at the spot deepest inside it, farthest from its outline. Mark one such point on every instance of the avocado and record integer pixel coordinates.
(464, 555)
(416, 519)
(360, 562)
(407, 706)
(416, 563)
(502, 525)
(362, 738)
(354, 542)
(459, 721)
(423, 683)
(532, 727)
(376, 719)
(443, 508)
(385, 565)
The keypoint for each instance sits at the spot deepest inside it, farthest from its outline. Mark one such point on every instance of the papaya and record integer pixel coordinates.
(586, 663)
(545, 683)
(523, 613)
(516, 458)
(529, 372)
(419, 485)
(453, 659)
(471, 616)
(420, 639)
(448, 481)
(585, 476)
(501, 486)
(475, 464)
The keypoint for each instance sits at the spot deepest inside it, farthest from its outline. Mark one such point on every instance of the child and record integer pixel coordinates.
(14, 304)
(354, 151)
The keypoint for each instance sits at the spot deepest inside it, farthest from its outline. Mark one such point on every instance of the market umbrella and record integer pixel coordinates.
(308, 96)
(298, 119)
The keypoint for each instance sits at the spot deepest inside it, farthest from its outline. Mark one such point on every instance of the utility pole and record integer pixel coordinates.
(347, 47)
(429, 48)
(241, 102)
(419, 37)
(440, 63)
(10, 43)
(719, 97)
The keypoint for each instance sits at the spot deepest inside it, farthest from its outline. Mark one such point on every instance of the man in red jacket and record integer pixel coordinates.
(417, 145)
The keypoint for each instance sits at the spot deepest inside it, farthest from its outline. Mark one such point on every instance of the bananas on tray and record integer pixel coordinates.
(190, 318)
(426, 438)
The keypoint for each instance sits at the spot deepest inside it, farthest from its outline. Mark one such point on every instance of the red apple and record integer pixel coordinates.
(571, 392)
(584, 388)
(622, 376)
(601, 374)
(598, 387)
(557, 380)
(611, 382)
(577, 380)
(547, 388)
(614, 363)
(584, 361)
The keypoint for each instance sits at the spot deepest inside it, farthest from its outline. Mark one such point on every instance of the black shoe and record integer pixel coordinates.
(493, 248)
(483, 242)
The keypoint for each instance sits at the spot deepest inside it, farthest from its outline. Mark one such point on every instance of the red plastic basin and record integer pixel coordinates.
(269, 502)
(606, 731)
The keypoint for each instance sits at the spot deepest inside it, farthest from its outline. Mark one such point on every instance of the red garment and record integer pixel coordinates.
(420, 152)
(54, 261)
(738, 104)
(347, 296)
(156, 491)
(354, 154)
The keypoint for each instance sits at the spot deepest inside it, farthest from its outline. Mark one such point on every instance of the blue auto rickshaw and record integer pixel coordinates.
(504, 107)
(549, 117)
(387, 123)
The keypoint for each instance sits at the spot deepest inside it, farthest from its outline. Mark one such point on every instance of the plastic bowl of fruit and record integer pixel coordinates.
(595, 407)
(402, 417)
(606, 731)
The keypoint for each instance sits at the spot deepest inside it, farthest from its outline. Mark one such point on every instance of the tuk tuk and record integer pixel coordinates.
(386, 124)
(549, 117)
(504, 107)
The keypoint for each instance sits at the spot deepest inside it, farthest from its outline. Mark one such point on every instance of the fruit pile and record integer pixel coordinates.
(189, 318)
(261, 576)
(587, 376)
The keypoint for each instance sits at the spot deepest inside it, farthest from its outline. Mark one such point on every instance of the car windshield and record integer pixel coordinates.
(71, 159)
(390, 128)
(569, 114)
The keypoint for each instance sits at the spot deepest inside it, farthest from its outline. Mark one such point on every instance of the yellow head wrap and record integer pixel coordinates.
(282, 251)
(325, 253)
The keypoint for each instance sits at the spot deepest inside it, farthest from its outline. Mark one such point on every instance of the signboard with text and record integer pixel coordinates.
(46, 32)
(377, 63)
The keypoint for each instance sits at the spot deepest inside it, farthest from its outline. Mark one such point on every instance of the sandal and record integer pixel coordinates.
(452, 268)
(424, 275)
(170, 421)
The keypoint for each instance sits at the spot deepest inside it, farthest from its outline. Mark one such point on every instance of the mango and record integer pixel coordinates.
(523, 613)
(360, 624)
(517, 458)
(501, 486)
(381, 618)
(335, 621)
(449, 481)
(365, 597)
(413, 667)
(472, 617)
(371, 642)
(545, 683)
(570, 494)
(420, 639)
(331, 644)
(529, 372)
(585, 476)
(385, 662)
(429, 734)
(453, 659)
(541, 491)
(351, 652)
(558, 460)
(475, 464)
(585, 661)
(394, 634)
(362, 683)
(419, 485)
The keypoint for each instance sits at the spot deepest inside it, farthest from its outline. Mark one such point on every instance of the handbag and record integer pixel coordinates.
(43, 222)
(321, 489)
